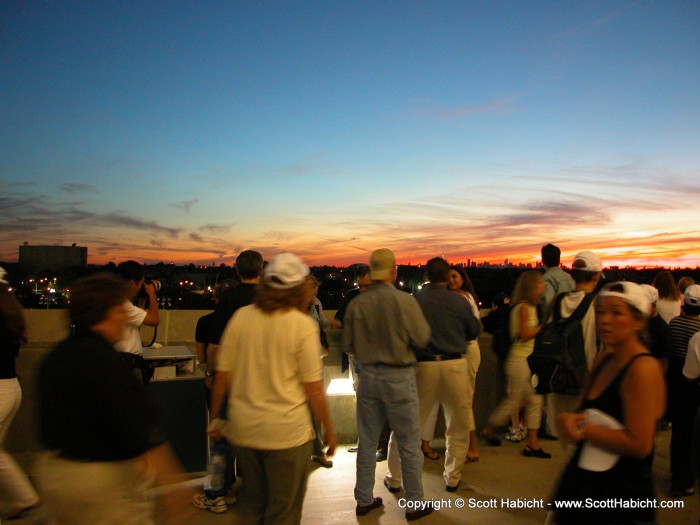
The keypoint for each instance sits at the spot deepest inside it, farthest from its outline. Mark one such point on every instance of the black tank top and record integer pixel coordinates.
(610, 402)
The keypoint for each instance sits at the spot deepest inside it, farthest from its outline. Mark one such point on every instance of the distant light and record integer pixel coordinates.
(400, 283)
(420, 286)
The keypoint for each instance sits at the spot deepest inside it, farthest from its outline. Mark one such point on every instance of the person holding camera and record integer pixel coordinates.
(130, 345)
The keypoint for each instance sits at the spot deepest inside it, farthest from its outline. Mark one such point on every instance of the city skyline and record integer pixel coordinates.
(187, 133)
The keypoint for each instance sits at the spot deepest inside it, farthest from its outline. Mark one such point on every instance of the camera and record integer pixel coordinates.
(156, 284)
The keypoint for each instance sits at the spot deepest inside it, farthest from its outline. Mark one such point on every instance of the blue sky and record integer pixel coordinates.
(187, 132)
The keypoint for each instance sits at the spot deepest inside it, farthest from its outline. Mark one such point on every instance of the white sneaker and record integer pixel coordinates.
(514, 435)
(216, 505)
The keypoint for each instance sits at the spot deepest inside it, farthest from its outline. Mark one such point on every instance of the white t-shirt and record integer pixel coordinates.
(269, 357)
(131, 339)
(691, 368)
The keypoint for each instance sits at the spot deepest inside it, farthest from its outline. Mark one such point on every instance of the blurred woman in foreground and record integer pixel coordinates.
(621, 405)
(104, 450)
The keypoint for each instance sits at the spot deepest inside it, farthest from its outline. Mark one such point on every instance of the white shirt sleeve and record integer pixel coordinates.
(691, 369)
(135, 315)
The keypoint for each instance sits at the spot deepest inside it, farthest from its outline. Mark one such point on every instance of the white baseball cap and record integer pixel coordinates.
(285, 271)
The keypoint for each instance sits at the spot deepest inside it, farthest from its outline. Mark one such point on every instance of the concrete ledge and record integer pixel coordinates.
(47, 327)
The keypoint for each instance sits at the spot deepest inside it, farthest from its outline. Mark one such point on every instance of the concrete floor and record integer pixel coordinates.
(501, 473)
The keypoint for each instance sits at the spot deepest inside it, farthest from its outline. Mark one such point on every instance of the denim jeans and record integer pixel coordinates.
(388, 394)
(224, 447)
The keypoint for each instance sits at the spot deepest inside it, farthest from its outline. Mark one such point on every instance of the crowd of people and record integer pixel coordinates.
(409, 356)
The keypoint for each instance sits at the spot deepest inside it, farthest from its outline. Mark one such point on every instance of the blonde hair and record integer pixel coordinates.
(270, 299)
(526, 288)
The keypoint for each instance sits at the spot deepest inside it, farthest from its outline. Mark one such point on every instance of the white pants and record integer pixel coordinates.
(473, 362)
(96, 492)
(16, 491)
(520, 393)
(443, 382)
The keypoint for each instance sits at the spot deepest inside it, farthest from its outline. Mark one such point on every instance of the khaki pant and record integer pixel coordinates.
(99, 493)
(520, 393)
(274, 484)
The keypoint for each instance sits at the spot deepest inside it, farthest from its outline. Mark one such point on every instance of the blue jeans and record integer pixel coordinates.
(225, 448)
(388, 394)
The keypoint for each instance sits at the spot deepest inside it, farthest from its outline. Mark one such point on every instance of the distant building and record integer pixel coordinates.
(34, 259)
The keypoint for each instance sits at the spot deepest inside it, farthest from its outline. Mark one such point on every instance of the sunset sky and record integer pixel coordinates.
(189, 131)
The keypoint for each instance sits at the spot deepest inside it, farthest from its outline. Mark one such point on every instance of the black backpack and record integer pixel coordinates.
(558, 361)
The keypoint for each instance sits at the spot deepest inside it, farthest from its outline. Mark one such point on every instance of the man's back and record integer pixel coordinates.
(556, 281)
(450, 320)
(382, 324)
(231, 300)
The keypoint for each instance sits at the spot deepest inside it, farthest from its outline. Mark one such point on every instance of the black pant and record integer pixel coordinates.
(683, 402)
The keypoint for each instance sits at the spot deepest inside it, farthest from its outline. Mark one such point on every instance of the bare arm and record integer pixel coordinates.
(221, 384)
(212, 357)
(643, 401)
(200, 349)
(317, 401)
(526, 332)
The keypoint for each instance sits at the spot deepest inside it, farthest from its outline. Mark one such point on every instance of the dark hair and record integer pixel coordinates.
(270, 299)
(581, 276)
(221, 288)
(467, 285)
(666, 285)
(12, 316)
(500, 299)
(551, 255)
(92, 297)
(684, 282)
(131, 270)
(362, 270)
(438, 270)
(690, 309)
(249, 264)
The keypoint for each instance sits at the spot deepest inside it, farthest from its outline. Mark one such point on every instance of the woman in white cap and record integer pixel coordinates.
(269, 363)
(614, 432)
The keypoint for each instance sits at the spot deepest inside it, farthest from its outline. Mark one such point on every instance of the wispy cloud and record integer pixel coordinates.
(78, 188)
(586, 28)
(309, 165)
(185, 205)
(500, 106)
(215, 228)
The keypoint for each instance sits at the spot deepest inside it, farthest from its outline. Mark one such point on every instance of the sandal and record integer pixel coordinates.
(530, 452)
(431, 454)
(471, 459)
